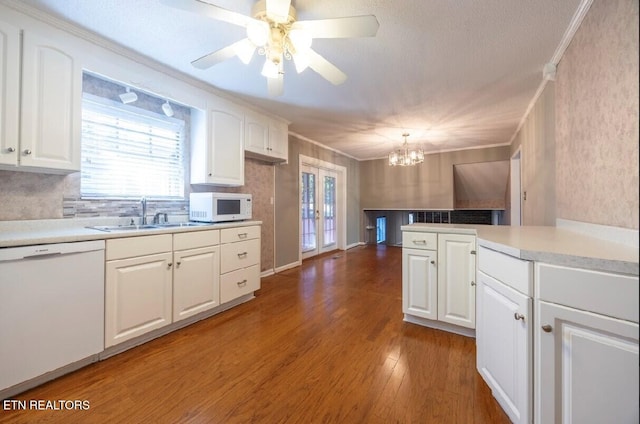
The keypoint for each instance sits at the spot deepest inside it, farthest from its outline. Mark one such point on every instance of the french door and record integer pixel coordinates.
(319, 210)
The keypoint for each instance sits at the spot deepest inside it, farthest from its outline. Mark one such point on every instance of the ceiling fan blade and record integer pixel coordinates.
(278, 10)
(326, 69)
(210, 10)
(275, 86)
(348, 27)
(218, 56)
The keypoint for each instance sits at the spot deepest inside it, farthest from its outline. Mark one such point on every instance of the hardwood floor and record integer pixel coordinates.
(321, 343)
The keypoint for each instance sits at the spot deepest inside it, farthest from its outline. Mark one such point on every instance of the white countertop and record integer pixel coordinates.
(546, 244)
(47, 231)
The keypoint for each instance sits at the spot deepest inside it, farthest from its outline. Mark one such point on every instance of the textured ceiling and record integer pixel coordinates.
(454, 74)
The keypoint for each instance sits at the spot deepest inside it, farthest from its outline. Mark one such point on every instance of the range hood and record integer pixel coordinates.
(481, 185)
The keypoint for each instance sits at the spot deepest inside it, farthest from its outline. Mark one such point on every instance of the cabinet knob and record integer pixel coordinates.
(473, 283)
(27, 151)
(433, 262)
(169, 265)
(11, 149)
(547, 328)
(518, 316)
(473, 252)
(178, 264)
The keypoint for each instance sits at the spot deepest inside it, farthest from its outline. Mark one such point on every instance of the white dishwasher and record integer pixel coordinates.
(51, 308)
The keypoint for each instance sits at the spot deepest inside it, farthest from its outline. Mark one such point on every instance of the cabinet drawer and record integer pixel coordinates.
(513, 272)
(609, 294)
(239, 283)
(239, 255)
(129, 247)
(196, 239)
(230, 235)
(419, 240)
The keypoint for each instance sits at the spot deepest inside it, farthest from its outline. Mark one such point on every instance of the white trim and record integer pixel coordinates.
(575, 23)
(357, 244)
(626, 236)
(288, 266)
(515, 191)
(307, 139)
(342, 193)
(439, 325)
(267, 273)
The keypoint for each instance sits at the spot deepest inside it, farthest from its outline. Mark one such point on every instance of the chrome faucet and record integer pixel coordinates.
(143, 202)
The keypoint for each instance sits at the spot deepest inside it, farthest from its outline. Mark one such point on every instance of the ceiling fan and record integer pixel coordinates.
(274, 31)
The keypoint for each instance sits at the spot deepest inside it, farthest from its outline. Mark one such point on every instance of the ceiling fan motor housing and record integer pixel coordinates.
(259, 11)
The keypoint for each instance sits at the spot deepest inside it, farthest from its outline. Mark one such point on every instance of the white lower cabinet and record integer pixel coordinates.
(438, 280)
(586, 348)
(239, 262)
(196, 274)
(137, 288)
(420, 283)
(503, 345)
(504, 335)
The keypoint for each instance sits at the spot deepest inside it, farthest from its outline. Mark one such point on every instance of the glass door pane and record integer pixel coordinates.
(309, 207)
(329, 211)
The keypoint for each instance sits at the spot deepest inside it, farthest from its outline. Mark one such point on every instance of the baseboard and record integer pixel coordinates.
(626, 236)
(267, 273)
(288, 266)
(438, 325)
(351, 246)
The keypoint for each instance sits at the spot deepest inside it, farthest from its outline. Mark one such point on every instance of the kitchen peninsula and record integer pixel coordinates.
(555, 311)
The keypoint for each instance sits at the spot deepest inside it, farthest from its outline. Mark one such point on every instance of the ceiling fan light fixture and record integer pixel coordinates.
(301, 39)
(270, 69)
(258, 32)
(301, 60)
(245, 50)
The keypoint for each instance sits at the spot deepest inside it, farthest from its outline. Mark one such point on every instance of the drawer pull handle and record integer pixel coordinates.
(518, 317)
(419, 242)
(242, 283)
(242, 255)
(547, 328)
(243, 235)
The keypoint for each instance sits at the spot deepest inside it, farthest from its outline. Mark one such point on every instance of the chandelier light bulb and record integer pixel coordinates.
(406, 156)
(270, 69)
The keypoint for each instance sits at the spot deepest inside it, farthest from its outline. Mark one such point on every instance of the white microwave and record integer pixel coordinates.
(219, 207)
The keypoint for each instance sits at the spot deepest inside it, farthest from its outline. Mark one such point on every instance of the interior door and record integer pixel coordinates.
(318, 210)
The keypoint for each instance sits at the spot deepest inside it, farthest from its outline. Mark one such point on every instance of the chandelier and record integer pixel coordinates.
(405, 156)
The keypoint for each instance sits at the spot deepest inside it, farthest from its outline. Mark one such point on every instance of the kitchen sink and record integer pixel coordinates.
(109, 228)
(180, 224)
(123, 227)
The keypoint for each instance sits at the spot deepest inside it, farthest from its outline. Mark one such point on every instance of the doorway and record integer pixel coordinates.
(323, 206)
(318, 210)
(516, 189)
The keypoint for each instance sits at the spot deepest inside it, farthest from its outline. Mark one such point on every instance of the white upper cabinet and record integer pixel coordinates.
(217, 145)
(266, 138)
(9, 93)
(49, 109)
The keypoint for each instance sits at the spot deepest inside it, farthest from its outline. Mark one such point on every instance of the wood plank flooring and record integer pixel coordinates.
(321, 343)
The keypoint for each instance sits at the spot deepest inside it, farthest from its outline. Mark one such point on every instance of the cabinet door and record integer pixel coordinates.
(279, 140)
(9, 93)
(586, 367)
(137, 296)
(456, 279)
(256, 128)
(419, 283)
(196, 281)
(226, 156)
(503, 343)
(51, 106)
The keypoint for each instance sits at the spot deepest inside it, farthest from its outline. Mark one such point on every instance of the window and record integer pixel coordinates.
(130, 152)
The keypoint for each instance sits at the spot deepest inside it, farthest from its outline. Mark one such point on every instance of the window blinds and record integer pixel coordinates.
(130, 152)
